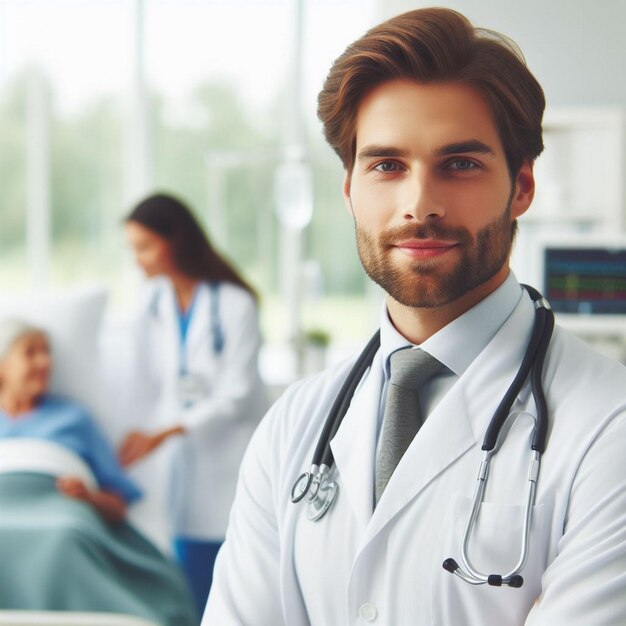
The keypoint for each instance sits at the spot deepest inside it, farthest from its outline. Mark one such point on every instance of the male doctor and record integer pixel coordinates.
(437, 124)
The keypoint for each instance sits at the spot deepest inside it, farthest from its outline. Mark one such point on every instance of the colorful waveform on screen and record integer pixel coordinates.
(586, 280)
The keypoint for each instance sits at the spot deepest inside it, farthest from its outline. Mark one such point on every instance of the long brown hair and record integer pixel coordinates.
(193, 253)
(436, 45)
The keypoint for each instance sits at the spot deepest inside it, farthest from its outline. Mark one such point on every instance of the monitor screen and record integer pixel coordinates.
(585, 280)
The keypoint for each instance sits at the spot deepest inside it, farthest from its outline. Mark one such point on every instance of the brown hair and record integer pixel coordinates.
(193, 253)
(436, 45)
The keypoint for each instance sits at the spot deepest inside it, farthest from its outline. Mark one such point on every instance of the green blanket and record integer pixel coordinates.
(59, 554)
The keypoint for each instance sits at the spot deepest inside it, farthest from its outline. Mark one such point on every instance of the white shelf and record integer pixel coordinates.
(579, 177)
(609, 326)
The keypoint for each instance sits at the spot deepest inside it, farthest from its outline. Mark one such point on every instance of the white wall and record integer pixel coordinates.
(577, 51)
(575, 48)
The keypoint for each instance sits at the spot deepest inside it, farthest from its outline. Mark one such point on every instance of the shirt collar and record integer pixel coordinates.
(462, 340)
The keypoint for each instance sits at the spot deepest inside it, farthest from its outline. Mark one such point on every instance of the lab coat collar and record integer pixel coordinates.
(200, 317)
(457, 423)
(167, 307)
(163, 309)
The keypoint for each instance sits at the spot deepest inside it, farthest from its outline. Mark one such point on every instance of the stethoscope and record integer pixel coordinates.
(321, 491)
(215, 321)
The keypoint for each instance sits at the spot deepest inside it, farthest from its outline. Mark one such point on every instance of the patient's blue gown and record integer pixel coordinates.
(60, 554)
(66, 423)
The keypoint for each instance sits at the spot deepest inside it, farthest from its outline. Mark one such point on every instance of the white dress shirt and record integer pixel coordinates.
(456, 345)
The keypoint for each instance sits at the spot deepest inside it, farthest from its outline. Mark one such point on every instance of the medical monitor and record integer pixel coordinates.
(584, 279)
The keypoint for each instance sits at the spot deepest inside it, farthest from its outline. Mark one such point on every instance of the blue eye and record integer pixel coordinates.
(387, 167)
(461, 165)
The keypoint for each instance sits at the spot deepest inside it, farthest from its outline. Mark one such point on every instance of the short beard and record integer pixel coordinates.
(424, 284)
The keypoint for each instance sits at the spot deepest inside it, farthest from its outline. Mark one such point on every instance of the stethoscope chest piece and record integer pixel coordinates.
(320, 492)
(323, 500)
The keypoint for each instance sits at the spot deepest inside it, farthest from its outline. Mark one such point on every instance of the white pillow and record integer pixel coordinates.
(72, 320)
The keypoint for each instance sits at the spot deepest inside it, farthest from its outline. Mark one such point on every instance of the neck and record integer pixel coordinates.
(417, 324)
(183, 288)
(14, 404)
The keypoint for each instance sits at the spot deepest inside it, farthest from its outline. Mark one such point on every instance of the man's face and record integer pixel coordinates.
(431, 193)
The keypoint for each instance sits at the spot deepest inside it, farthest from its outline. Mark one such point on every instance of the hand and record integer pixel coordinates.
(73, 487)
(138, 444)
(135, 446)
(109, 504)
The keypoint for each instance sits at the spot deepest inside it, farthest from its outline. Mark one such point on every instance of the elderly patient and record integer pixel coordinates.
(28, 410)
(63, 499)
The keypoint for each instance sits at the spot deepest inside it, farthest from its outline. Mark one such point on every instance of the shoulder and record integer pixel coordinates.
(60, 402)
(151, 294)
(584, 390)
(318, 385)
(234, 295)
(237, 306)
(66, 407)
(298, 414)
(570, 360)
(283, 442)
(155, 290)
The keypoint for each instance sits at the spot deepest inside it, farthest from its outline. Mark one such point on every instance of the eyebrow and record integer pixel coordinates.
(461, 147)
(374, 151)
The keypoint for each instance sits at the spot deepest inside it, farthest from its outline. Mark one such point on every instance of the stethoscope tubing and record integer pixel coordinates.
(540, 435)
(323, 452)
(531, 367)
(532, 364)
(537, 341)
(323, 459)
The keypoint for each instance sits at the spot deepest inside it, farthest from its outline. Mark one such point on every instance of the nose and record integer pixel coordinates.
(420, 198)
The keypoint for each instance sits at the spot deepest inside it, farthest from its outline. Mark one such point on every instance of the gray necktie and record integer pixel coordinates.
(410, 369)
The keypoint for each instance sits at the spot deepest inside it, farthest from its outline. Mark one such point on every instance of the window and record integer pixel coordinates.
(103, 101)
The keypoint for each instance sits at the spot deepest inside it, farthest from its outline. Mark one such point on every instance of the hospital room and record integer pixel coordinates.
(221, 221)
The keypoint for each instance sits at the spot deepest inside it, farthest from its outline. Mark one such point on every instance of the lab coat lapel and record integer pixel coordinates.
(461, 418)
(169, 327)
(443, 438)
(199, 320)
(354, 445)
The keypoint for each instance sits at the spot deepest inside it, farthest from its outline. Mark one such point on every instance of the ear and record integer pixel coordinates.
(524, 190)
(347, 180)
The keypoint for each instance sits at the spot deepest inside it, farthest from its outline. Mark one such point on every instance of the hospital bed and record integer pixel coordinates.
(64, 557)
(65, 618)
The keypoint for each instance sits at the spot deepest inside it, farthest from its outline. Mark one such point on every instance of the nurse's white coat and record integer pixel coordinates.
(206, 460)
(355, 567)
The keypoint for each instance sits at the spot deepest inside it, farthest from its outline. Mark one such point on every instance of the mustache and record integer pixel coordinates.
(425, 231)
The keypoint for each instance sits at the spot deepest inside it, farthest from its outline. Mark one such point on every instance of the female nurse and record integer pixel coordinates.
(197, 341)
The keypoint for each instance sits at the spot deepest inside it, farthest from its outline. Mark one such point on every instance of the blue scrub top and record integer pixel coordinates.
(62, 421)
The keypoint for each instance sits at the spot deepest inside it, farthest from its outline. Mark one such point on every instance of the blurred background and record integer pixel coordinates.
(104, 101)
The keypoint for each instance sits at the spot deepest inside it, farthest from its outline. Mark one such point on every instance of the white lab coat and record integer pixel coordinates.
(355, 567)
(205, 461)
